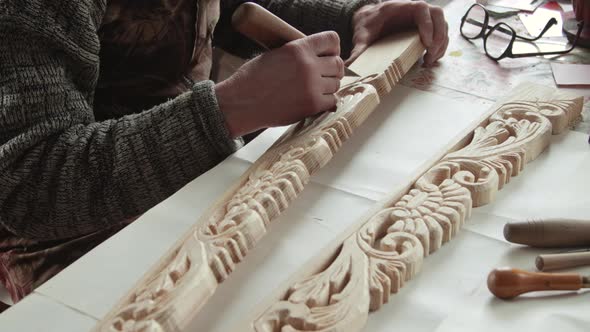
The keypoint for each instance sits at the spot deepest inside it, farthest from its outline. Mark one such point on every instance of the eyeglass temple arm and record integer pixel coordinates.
(580, 28)
(549, 24)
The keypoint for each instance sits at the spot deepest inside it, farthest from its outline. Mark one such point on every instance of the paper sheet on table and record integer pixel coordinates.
(535, 22)
(571, 74)
(562, 313)
(39, 313)
(541, 311)
(556, 184)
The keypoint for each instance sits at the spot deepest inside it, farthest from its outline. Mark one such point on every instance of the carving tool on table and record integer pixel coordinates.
(562, 260)
(549, 233)
(267, 29)
(507, 283)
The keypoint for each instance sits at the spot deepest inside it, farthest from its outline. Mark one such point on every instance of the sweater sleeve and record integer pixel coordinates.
(309, 16)
(64, 174)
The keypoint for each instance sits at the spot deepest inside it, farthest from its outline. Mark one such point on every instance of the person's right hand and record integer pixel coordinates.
(283, 86)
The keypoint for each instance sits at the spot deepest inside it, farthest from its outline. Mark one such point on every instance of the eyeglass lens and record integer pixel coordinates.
(498, 40)
(474, 22)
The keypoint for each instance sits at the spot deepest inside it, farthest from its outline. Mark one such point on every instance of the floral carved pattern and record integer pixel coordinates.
(374, 262)
(388, 249)
(269, 190)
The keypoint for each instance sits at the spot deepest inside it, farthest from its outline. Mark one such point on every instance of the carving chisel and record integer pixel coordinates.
(267, 29)
(507, 283)
(549, 233)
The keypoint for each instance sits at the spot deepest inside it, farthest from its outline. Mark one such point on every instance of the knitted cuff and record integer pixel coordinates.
(212, 118)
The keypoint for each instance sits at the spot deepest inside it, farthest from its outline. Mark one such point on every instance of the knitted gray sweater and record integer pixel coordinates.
(62, 173)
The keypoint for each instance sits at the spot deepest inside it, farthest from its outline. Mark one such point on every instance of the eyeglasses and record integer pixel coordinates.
(499, 40)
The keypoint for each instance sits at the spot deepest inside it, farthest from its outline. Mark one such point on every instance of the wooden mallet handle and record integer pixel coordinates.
(549, 233)
(262, 26)
(507, 283)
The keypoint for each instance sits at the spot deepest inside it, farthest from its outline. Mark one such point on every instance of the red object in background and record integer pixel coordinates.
(553, 5)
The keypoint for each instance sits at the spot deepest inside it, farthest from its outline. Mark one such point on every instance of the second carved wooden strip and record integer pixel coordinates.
(357, 274)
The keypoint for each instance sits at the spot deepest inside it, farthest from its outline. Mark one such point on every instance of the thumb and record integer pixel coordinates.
(355, 53)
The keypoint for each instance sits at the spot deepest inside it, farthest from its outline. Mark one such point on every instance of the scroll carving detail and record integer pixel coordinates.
(388, 249)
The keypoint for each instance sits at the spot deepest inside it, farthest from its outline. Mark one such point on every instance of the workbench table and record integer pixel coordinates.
(450, 293)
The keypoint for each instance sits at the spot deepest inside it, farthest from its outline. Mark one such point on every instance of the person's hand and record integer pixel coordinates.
(284, 85)
(372, 22)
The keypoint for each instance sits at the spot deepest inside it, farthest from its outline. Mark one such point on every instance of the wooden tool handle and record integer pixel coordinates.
(507, 283)
(262, 26)
(562, 261)
(549, 233)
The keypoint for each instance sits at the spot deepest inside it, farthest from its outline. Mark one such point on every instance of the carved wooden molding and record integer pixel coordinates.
(171, 293)
(357, 274)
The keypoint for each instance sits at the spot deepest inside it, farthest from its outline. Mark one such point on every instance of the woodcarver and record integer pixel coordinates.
(106, 107)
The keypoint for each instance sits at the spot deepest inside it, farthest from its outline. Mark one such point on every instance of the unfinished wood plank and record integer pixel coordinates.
(387, 61)
(171, 293)
(358, 272)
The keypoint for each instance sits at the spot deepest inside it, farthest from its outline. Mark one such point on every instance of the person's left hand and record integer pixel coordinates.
(372, 22)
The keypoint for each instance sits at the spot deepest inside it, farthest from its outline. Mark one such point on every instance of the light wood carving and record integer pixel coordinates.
(172, 292)
(361, 269)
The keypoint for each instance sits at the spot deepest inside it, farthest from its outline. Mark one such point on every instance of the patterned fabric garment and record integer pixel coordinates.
(26, 264)
(151, 51)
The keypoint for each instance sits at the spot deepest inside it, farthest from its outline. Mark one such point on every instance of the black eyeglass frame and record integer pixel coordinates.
(505, 28)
